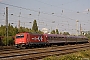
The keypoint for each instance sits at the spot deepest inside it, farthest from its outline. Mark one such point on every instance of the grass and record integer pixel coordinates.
(82, 55)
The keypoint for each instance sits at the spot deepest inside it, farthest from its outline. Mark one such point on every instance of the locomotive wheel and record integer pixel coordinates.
(22, 47)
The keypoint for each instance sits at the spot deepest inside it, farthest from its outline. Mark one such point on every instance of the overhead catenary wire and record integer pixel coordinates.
(62, 16)
(59, 5)
(35, 11)
(40, 11)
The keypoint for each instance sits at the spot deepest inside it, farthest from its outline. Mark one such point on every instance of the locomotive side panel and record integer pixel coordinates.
(36, 38)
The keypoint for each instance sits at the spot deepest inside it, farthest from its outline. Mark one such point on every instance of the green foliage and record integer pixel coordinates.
(8, 41)
(88, 35)
(40, 32)
(12, 31)
(53, 32)
(64, 57)
(70, 57)
(60, 32)
(82, 55)
(2, 30)
(66, 33)
(34, 27)
(51, 58)
(57, 32)
(85, 53)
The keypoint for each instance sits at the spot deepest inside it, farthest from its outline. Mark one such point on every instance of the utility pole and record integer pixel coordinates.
(77, 27)
(19, 24)
(6, 26)
(80, 29)
(38, 15)
(19, 21)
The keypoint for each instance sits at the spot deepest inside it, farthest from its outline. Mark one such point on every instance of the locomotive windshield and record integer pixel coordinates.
(20, 36)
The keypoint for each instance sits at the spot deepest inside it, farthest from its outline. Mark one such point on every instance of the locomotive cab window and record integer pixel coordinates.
(20, 36)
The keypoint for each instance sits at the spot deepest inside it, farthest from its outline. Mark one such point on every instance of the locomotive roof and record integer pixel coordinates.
(29, 33)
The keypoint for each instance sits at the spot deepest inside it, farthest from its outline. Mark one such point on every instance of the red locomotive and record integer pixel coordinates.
(29, 39)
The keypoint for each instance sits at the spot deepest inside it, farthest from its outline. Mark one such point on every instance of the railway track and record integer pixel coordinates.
(39, 53)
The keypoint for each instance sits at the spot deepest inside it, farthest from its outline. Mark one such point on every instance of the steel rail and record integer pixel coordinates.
(42, 52)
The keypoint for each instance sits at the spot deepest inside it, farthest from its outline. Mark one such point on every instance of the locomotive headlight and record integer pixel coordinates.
(22, 42)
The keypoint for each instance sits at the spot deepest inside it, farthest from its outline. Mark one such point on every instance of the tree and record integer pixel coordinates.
(9, 41)
(60, 33)
(35, 27)
(57, 32)
(53, 32)
(2, 30)
(66, 33)
(88, 35)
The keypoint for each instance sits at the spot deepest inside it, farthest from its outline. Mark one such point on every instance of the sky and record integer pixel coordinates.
(51, 14)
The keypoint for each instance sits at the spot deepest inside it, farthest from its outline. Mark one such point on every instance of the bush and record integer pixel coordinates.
(70, 57)
(85, 54)
(9, 41)
(51, 58)
(64, 57)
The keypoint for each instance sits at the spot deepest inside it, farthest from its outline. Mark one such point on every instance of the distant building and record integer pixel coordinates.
(45, 30)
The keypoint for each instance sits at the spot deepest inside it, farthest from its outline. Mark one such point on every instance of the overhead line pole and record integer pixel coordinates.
(6, 25)
(80, 29)
(77, 27)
